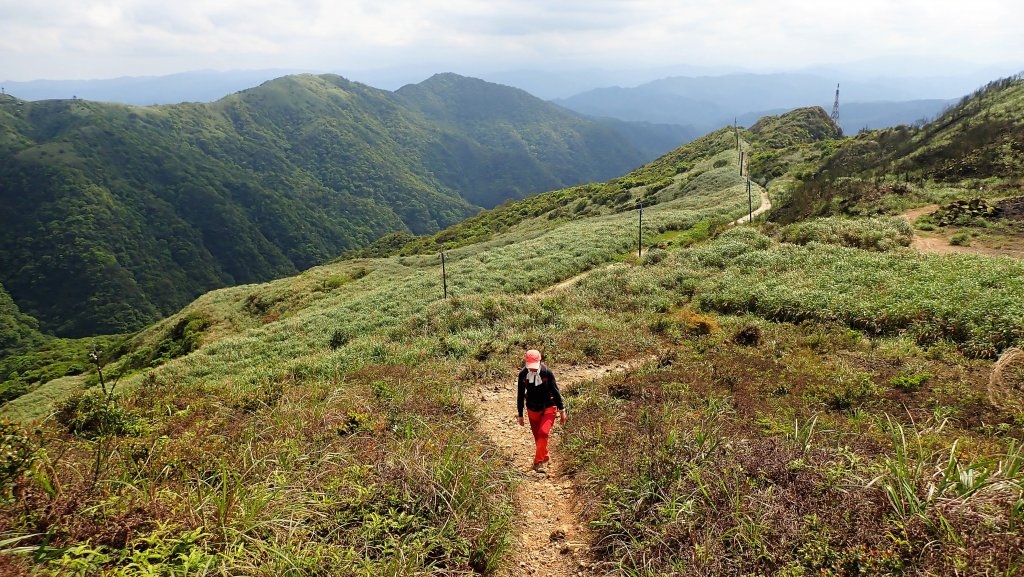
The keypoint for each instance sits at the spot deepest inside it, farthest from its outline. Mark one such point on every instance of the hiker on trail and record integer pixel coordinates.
(539, 392)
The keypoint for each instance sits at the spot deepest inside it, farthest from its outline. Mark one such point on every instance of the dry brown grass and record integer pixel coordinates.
(1006, 385)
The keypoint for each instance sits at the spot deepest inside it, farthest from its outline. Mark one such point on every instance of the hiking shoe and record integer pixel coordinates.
(540, 467)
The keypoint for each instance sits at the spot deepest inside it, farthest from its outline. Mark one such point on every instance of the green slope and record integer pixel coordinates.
(678, 173)
(977, 144)
(793, 410)
(18, 331)
(112, 216)
(516, 142)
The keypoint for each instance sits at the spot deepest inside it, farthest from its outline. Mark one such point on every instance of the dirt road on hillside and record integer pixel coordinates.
(552, 539)
(935, 242)
(766, 205)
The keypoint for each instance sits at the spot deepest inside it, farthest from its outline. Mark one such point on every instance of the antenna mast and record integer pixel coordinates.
(835, 107)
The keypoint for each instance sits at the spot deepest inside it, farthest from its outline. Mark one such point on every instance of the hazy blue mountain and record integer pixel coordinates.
(710, 101)
(196, 86)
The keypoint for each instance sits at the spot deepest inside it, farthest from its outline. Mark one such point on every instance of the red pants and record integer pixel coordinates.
(541, 423)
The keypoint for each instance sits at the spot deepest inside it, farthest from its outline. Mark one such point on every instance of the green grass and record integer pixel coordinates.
(800, 400)
(310, 430)
(877, 234)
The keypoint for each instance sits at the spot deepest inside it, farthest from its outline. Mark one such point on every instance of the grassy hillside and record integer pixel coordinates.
(974, 147)
(340, 383)
(113, 216)
(681, 172)
(808, 400)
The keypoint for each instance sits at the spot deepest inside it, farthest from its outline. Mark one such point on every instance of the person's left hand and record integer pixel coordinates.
(561, 417)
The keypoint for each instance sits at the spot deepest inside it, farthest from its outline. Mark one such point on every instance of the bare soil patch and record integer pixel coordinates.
(937, 242)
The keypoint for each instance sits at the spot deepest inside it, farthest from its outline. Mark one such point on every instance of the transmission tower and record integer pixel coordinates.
(835, 107)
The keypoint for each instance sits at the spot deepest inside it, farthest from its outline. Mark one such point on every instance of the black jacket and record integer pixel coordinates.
(539, 397)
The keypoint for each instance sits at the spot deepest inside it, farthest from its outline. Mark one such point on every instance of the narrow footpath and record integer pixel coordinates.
(552, 539)
(766, 205)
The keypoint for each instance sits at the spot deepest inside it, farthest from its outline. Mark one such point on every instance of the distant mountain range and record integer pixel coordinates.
(112, 216)
(195, 86)
(698, 98)
(708, 102)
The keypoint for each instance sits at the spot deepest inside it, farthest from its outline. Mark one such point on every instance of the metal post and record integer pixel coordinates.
(444, 273)
(640, 235)
(742, 154)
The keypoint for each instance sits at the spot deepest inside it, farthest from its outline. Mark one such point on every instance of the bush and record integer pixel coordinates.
(339, 338)
(960, 239)
(909, 383)
(16, 454)
(879, 234)
(692, 322)
(654, 256)
(91, 414)
(845, 392)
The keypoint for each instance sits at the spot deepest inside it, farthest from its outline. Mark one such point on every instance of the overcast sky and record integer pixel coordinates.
(75, 39)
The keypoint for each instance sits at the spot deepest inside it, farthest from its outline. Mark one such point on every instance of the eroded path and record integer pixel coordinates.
(766, 205)
(552, 539)
(938, 243)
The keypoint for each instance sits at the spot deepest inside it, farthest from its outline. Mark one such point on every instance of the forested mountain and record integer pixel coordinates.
(516, 143)
(17, 330)
(112, 215)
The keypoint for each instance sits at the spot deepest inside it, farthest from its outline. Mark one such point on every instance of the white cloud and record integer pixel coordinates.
(95, 38)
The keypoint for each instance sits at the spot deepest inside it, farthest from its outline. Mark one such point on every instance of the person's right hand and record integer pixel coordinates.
(521, 422)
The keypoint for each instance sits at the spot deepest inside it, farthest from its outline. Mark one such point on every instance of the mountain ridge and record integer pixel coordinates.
(137, 210)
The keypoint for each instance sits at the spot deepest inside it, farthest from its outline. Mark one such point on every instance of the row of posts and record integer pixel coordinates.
(640, 207)
(743, 159)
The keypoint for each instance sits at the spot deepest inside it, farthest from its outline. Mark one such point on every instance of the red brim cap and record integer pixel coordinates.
(532, 359)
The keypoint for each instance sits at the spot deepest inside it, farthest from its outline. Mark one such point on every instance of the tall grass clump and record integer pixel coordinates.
(877, 233)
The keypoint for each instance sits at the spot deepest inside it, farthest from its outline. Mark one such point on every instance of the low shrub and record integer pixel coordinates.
(91, 414)
(879, 234)
(16, 455)
(960, 239)
(909, 383)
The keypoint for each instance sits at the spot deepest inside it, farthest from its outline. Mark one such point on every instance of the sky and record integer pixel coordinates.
(84, 39)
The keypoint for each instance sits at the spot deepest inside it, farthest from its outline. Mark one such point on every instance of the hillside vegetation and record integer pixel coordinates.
(112, 216)
(814, 399)
(974, 148)
(680, 172)
(18, 331)
(319, 428)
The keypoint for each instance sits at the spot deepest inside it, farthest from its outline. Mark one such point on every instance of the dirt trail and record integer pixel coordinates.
(766, 205)
(553, 541)
(567, 282)
(937, 243)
